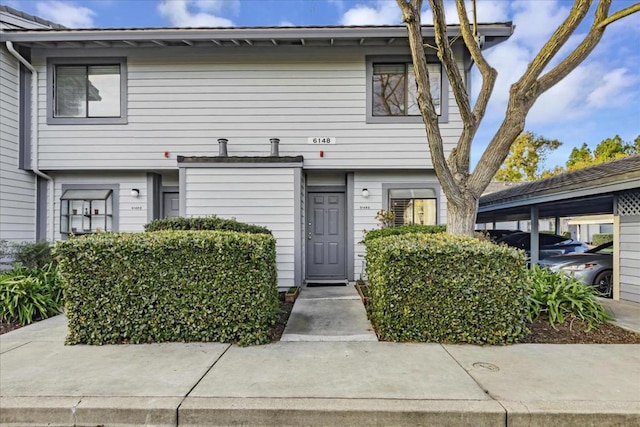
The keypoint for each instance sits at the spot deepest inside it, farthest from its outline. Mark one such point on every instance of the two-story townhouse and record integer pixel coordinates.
(320, 124)
(17, 180)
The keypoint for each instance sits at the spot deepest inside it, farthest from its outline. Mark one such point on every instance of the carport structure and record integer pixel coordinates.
(608, 188)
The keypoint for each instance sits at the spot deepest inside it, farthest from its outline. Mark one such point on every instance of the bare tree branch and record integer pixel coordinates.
(411, 16)
(554, 44)
(445, 54)
(620, 14)
(489, 74)
(580, 53)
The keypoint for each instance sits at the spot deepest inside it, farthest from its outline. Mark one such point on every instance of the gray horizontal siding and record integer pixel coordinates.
(17, 189)
(364, 210)
(255, 196)
(630, 258)
(132, 212)
(183, 103)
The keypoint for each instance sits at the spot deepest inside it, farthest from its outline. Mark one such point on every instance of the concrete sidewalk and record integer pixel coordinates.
(43, 382)
(331, 313)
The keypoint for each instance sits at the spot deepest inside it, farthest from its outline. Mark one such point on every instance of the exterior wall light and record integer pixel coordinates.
(365, 193)
(135, 192)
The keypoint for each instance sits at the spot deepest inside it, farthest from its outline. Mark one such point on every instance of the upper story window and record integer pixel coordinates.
(392, 91)
(395, 90)
(87, 90)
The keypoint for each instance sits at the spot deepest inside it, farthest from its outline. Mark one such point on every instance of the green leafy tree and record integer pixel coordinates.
(526, 156)
(579, 157)
(607, 150)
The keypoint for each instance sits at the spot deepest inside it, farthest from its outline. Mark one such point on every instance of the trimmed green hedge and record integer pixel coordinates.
(447, 289)
(205, 223)
(601, 239)
(169, 286)
(404, 229)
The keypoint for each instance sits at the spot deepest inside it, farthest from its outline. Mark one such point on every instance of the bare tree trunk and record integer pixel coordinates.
(461, 217)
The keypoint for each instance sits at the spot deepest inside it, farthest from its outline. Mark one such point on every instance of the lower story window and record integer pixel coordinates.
(413, 206)
(86, 211)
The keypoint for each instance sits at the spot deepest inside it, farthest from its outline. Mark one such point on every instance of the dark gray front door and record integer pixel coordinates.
(326, 243)
(171, 205)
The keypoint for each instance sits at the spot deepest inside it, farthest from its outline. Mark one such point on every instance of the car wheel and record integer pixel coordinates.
(604, 283)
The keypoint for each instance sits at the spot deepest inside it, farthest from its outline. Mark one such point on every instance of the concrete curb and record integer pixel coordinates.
(89, 411)
(201, 412)
(196, 412)
(572, 413)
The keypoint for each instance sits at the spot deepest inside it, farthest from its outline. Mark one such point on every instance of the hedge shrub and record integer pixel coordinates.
(205, 223)
(447, 289)
(602, 238)
(169, 286)
(404, 229)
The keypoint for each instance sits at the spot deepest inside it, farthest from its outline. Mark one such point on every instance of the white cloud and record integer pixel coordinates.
(487, 11)
(615, 88)
(179, 13)
(286, 23)
(380, 13)
(217, 6)
(66, 14)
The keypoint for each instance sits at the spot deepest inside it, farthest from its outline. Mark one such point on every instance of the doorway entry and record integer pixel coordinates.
(170, 205)
(326, 236)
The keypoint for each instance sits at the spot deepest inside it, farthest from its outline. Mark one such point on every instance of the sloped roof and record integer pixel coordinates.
(32, 18)
(617, 170)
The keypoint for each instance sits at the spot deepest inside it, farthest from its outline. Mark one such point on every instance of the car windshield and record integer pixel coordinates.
(606, 248)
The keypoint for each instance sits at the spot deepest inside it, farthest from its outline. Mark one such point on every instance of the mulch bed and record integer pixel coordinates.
(574, 332)
(541, 332)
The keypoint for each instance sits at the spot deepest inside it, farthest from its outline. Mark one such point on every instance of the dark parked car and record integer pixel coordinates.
(497, 234)
(593, 267)
(550, 244)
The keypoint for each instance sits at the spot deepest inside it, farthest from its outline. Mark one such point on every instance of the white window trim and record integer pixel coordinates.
(444, 94)
(53, 62)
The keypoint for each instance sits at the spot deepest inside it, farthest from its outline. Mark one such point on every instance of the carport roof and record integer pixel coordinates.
(585, 191)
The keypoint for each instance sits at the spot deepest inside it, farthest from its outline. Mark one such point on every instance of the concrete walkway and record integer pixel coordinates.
(329, 313)
(626, 314)
(44, 382)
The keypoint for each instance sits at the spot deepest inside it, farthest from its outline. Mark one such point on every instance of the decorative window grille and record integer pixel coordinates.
(629, 203)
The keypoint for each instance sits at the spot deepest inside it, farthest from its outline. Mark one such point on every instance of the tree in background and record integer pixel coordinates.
(462, 186)
(607, 150)
(526, 156)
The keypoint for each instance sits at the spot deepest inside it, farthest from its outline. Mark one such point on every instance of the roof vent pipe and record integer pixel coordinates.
(222, 147)
(274, 147)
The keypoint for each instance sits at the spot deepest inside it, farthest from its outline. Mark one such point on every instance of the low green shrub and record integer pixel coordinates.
(169, 286)
(30, 294)
(32, 255)
(204, 223)
(446, 288)
(404, 229)
(601, 239)
(561, 297)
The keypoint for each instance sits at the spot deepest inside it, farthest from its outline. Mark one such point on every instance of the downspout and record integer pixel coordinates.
(35, 138)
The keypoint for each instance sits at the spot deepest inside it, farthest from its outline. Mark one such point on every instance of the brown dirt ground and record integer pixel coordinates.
(541, 332)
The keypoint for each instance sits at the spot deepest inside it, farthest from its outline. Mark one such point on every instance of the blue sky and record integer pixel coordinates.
(600, 99)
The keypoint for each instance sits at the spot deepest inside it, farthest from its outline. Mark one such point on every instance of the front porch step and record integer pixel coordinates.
(328, 314)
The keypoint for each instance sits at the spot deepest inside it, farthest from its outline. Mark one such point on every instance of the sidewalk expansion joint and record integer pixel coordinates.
(16, 347)
(487, 392)
(198, 382)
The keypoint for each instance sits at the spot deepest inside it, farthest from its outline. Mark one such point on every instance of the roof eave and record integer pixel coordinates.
(499, 31)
